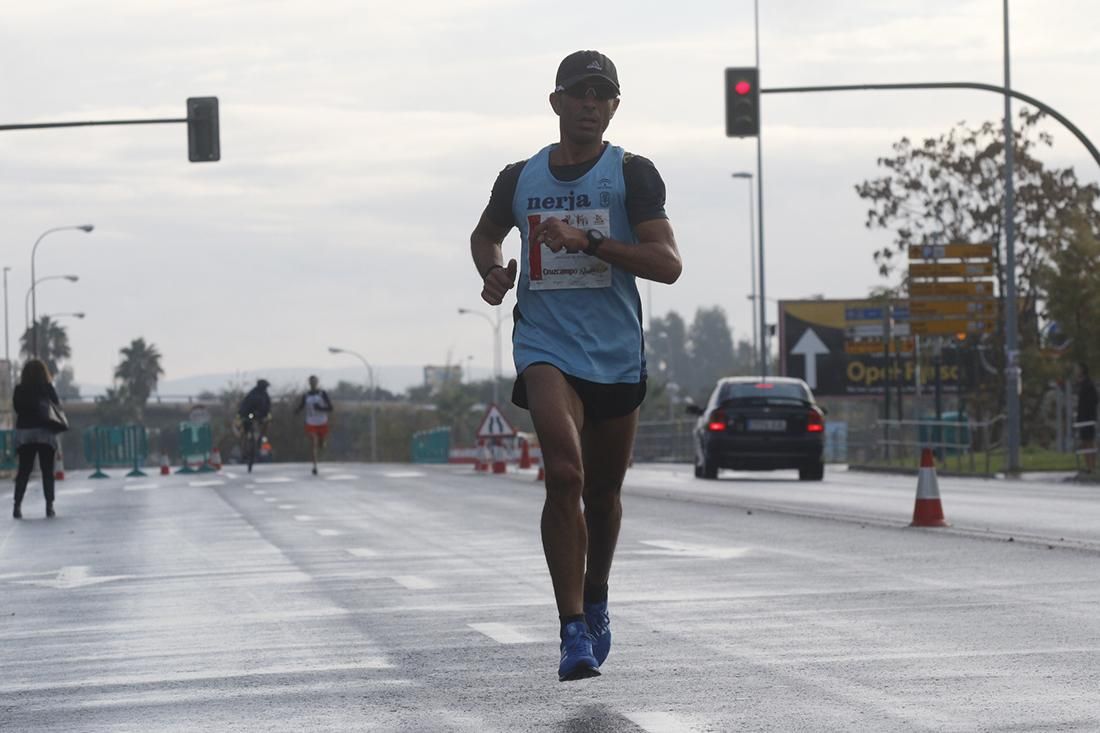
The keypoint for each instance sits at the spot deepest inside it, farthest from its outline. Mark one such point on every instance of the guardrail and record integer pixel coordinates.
(1080, 448)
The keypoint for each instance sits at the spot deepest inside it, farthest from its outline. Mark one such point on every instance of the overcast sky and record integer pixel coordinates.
(360, 140)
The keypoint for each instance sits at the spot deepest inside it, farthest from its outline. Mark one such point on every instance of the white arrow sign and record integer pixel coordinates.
(809, 347)
(75, 576)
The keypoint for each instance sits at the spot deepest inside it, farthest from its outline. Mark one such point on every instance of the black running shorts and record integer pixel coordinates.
(601, 401)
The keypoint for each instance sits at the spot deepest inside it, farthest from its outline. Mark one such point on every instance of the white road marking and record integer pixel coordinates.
(303, 518)
(329, 532)
(140, 487)
(414, 582)
(659, 722)
(288, 506)
(362, 552)
(259, 492)
(404, 474)
(684, 549)
(71, 492)
(501, 633)
(270, 499)
(274, 480)
(342, 477)
(74, 576)
(199, 484)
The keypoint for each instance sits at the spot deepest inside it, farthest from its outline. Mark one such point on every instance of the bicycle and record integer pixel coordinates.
(251, 436)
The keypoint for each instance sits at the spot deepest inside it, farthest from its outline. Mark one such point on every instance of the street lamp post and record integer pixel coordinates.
(86, 228)
(496, 347)
(7, 337)
(371, 395)
(27, 297)
(752, 266)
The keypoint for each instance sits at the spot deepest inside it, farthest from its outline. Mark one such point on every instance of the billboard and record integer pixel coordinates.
(838, 347)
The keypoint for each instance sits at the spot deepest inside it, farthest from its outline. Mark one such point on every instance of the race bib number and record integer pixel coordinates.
(561, 270)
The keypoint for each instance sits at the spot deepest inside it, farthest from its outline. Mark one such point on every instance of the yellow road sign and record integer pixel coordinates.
(951, 269)
(925, 309)
(932, 289)
(951, 327)
(876, 346)
(950, 251)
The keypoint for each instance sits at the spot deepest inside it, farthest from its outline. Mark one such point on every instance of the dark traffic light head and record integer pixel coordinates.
(743, 102)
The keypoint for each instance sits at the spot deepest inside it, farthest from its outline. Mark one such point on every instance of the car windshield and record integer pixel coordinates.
(764, 392)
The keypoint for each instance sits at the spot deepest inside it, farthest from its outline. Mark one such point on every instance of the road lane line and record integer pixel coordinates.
(404, 474)
(362, 552)
(203, 484)
(140, 487)
(288, 507)
(342, 477)
(329, 532)
(654, 722)
(271, 499)
(274, 480)
(684, 549)
(501, 633)
(303, 518)
(414, 582)
(259, 492)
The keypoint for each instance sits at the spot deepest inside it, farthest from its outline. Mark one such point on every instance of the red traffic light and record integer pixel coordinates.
(742, 87)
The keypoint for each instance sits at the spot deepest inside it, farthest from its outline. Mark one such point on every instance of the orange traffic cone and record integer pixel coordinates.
(216, 459)
(59, 470)
(928, 511)
(165, 467)
(481, 462)
(524, 454)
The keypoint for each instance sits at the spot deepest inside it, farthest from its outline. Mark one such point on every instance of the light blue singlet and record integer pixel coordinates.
(574, 311)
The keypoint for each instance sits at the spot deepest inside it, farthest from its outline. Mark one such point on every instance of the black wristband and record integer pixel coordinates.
(491, 268)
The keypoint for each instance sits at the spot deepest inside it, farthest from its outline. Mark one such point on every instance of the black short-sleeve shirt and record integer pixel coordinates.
(645, 190)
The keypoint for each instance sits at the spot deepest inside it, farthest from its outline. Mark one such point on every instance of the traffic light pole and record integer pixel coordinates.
(97, 123)
(760, 209)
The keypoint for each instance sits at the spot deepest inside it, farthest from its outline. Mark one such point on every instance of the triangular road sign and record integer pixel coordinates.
(495, 425)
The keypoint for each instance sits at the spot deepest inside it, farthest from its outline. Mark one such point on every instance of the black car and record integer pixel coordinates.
(753, 424)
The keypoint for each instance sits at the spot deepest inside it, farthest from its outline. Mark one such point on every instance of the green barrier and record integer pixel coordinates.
(122, 445)
(196, 442)
(7, 449)
(431, 446)
(949, 440)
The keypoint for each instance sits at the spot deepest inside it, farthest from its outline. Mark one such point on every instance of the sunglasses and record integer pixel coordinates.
(600, 91)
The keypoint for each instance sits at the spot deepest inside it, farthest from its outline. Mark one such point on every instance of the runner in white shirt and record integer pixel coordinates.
(317, 406)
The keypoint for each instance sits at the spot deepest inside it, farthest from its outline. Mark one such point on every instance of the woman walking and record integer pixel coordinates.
(37, 408)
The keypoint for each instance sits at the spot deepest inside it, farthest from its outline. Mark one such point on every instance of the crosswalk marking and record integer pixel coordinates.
(329, 532)
(362, 552)
(303, 518)
(288, 507)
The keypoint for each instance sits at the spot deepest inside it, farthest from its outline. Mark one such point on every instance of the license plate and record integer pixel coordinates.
(770, 426)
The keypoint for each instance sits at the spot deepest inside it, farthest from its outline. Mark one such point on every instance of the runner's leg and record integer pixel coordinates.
(607, 445)
(558, 416)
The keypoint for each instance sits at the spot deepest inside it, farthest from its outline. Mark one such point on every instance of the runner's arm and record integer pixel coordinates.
(301, 405)
(485, 249)
(328, 403)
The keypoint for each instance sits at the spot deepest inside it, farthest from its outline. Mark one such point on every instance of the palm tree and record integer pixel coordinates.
(139, 370)
(53, 342)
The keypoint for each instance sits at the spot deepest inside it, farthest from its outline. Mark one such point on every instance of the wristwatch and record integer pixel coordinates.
(595, 239)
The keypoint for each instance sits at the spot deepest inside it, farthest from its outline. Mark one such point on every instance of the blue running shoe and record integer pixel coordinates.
(599, 627)
(577, 661)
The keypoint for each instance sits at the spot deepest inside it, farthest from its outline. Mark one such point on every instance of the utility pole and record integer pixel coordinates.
(1012, 349)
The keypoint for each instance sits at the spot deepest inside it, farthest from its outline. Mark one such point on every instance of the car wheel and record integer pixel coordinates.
(814, 472)
(709, 469)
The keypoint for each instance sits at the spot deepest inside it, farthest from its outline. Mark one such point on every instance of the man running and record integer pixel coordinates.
(317, 406)
(591, 218)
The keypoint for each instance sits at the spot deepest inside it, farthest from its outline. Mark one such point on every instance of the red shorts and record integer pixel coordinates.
(321, 431)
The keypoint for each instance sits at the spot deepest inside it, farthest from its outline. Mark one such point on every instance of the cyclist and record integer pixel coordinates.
(254, 413)
(317, 406)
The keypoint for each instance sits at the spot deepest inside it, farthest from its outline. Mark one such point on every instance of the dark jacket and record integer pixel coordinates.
(257, 402)
(1086, 401)
(28, 404)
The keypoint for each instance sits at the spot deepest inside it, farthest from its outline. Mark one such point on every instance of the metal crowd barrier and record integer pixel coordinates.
(431, 446)
(121, 445)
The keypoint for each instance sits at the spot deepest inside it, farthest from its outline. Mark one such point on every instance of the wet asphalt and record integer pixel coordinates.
(402, 598)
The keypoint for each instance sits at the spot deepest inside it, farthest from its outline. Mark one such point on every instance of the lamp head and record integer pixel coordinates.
(78, 315)
(71, 278)
(86, 227)
(334, 350)
(742, 174)
(462, 311)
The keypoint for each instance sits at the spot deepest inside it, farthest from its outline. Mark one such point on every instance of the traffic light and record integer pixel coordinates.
(743, 102)
(203, 142)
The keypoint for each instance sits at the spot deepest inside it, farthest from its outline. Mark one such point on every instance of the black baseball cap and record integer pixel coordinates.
(581, 65)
